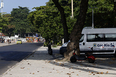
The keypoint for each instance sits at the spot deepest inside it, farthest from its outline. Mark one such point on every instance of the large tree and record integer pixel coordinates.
(47, 22)
(76, 32)
(8, 29)
(20, 20)
(63, 19)
(3, 22)
(51, 28)
(52, 17)
(5, 25)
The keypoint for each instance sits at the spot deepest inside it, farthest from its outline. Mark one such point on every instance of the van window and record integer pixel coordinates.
(110, 37)
(95, 37)
(82, 38)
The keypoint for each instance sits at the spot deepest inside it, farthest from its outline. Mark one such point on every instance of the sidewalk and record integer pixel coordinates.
(41, 64)
(5, 44)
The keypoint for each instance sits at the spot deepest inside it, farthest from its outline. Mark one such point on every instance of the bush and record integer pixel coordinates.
(59, 43)
(45, 44)
(54, 45)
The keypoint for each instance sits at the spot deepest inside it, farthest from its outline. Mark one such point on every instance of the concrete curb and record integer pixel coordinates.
(31, 53)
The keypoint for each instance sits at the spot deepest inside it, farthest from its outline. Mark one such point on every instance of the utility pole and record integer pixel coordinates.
(2, 5)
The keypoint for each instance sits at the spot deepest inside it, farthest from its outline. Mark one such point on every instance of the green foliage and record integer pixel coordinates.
(47, 19)
(59, 43)
(0, 29)
(20, 20)
(3, 23)
(102, 13)
(8, 28)
(45, 44)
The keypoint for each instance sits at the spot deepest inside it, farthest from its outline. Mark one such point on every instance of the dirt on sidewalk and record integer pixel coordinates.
(41, 64)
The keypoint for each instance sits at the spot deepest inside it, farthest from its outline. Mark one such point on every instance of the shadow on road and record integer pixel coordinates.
(9, 55)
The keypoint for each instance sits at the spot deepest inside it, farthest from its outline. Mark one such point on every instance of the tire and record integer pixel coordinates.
(73, 59)
(90, 60)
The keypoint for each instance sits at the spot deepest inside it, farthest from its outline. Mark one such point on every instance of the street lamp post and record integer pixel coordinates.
(92, 17)
(71, 9)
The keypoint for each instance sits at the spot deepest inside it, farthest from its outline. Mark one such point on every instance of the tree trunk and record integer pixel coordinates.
(63, 19)
(76, 32)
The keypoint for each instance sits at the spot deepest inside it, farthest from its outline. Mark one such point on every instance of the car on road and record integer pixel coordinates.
(19, 41)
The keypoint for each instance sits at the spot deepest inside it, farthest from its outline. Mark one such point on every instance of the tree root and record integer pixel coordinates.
(63, 59)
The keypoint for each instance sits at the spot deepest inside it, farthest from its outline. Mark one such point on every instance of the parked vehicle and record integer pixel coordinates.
(19, 41)
(97, 40)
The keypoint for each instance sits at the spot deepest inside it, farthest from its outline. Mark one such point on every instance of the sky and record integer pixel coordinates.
(10, 4)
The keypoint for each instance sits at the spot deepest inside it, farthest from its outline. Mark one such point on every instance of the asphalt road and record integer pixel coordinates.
(12, 54)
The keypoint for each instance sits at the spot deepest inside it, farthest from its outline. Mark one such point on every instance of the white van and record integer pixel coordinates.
(98, 40)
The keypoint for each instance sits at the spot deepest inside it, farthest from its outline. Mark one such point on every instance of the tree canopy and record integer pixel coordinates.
(5, 25)
(47, 19)
(20, 20)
